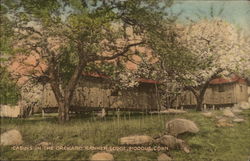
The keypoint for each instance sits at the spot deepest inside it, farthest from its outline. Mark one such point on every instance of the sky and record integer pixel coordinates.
(234, 11)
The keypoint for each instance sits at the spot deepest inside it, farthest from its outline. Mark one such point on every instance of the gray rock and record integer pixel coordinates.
(173, 143)
(179, 126)
(244, 105)
(236, 110)
(169, 140)
(11, 137)
(238, 120)
(136, 140)
(228, 113)
(224, 122)
(164, 157)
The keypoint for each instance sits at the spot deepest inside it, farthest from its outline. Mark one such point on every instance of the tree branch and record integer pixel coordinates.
(124, 51)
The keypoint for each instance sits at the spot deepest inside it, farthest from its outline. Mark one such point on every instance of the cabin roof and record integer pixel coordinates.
(232, 79)
(140, 80)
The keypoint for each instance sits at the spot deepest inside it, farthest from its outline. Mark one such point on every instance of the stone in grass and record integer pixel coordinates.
(244, 105)
(228, 113)
(223, 122)
(238, 120)
(169, 140)
(102, 156)
(236, 110)
(164, 157)
(178, 126)
(136, 140)
(173, 143)
(11, 137)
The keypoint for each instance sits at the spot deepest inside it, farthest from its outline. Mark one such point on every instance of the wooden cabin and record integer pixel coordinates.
(95, 92)
(221, 92)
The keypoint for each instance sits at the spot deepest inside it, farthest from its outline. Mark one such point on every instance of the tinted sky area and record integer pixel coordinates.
(236, 12)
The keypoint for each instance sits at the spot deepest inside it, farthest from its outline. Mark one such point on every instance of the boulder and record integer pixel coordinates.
(236, 110)
(228, 113)
(223, 122)
(164, 157)
(173, 143)
(179, 126)
(207, 114)
(244, 105)
(102, 156)
(136, 140)
(238, 120)
(11, 137)
(169, 140)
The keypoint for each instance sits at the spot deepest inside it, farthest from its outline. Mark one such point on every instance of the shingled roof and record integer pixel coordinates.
(231, 79)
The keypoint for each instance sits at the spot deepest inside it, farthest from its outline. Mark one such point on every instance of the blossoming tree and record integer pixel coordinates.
(218, 48)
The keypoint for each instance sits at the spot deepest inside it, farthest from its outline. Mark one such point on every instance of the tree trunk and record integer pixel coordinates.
(199, 92)
(199, 100)
(199, 96)
(63, 111)
(64, 98)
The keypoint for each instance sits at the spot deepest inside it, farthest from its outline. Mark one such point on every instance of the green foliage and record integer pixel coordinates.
(9, 92)
(6, 32)
(67, 65)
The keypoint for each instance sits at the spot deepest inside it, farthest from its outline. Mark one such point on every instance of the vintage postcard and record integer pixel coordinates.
(125, 80)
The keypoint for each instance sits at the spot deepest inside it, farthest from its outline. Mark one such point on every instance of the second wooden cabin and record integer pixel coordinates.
(94, 92)
(221, 92)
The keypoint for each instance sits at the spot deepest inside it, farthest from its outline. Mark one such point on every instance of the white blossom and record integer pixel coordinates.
(220, 44)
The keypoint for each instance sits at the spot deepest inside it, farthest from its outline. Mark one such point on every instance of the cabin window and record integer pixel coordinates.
(214, 88)
(221, 88)
(241, 89)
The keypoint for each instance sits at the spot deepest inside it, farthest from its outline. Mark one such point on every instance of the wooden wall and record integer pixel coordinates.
(230, 93)
(241, 92)
(96, 93)
(221, 94)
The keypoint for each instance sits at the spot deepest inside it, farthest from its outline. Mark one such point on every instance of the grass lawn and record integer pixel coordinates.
(211, 143)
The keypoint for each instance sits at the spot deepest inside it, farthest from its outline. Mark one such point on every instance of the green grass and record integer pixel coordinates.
(211, 143)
